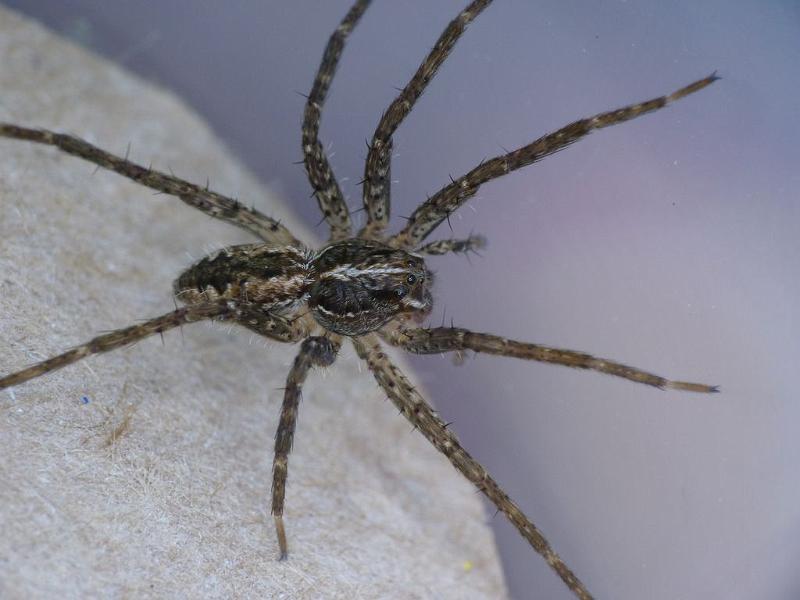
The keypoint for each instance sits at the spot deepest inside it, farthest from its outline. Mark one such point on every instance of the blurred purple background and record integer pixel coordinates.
(669, 243)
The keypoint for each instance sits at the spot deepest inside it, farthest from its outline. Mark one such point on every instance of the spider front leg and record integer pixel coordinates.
(471, 244)
(423, 417)
(315, 352)
(430, 214)
(320, 175)
(119, 338)
(377, 170)
(454, 339)
(211, 203)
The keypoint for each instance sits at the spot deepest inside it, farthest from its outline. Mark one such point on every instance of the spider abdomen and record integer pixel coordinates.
(260, 274)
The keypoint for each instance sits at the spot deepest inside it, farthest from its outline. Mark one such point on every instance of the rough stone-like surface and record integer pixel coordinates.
(145, 472)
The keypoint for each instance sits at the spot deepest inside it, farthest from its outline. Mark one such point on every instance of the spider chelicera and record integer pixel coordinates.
(369, 288)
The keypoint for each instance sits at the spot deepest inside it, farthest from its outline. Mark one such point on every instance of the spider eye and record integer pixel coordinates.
(411, 279)
(401, 291)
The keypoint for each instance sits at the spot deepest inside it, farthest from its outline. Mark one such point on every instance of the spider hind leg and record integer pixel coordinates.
(199, 197)
(314, 352)
(119, 338)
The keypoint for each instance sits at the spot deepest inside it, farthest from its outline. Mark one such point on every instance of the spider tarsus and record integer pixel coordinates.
(479, 241)
(693, 87)
(280, 530)
(686, 386)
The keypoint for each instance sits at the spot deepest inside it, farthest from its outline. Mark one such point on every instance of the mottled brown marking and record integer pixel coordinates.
(271, 276)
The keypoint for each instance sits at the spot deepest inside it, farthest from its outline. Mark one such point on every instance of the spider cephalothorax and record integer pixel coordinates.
(369, 288)
(360, 285)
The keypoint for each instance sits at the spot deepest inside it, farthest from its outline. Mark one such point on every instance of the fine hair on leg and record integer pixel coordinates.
(119, 338)
(454, 339)
(211, 203)
(314, 352)
(417, 410)
(377, 169)
(320, 174)
(430, 214)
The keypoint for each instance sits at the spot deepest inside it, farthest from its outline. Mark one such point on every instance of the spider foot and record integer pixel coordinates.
(281, 531)
(692, 387)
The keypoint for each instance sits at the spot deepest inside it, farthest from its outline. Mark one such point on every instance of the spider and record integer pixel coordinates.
(371, 287)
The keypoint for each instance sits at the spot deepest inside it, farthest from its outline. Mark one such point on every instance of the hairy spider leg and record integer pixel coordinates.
(314, 352)
(272, 326)
(430, 214)
(454, 339)
(377, 170)
(119, 338)
(472, 243)
(211, 203)
(417, 410)
(320, 175)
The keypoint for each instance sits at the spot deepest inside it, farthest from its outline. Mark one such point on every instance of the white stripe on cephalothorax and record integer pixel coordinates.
(346, 272)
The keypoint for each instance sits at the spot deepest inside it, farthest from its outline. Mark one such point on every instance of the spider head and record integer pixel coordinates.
(360, 285)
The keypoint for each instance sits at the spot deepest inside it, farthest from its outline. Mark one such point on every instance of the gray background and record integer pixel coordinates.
(668, 243)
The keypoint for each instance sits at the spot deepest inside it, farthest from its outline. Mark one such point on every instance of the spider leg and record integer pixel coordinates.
(118, 338)
(377, 170)
(438, 207)
(315, 352)
(450, 339)
(320, 175)
(423, 417)
(276, 327)
(471, 244)
(204, 200)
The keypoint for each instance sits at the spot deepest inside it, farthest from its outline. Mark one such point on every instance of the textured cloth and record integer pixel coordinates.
(146, 472)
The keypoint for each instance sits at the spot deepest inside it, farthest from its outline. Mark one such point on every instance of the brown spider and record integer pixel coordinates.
(366, 288)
